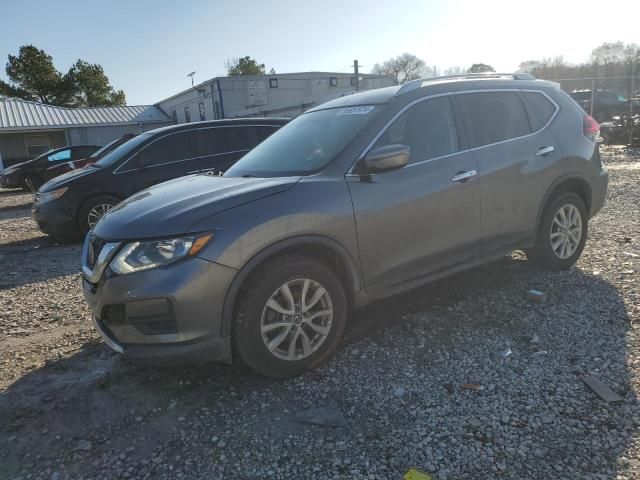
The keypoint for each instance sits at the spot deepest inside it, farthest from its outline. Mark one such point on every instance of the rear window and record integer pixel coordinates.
(541, 109)
(493, 117)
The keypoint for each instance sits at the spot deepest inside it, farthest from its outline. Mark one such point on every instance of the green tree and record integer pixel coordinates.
(480, 68)
(245, 66)
(32, 76)
(91, 86)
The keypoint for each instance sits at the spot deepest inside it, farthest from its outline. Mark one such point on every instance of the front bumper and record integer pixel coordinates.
(9, 181)
(55, 217)
(168, 315)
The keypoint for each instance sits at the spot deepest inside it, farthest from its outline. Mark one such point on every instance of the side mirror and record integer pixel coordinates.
(391, 157)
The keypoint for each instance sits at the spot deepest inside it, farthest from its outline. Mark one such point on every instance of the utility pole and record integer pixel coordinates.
(356, 75)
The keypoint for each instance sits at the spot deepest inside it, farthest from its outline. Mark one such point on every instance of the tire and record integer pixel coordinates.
(85, 223)
(264, 289)
(543, 253)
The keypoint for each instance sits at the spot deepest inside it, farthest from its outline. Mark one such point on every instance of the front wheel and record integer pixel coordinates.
(93, 210)
(290, 318)
(561, 234)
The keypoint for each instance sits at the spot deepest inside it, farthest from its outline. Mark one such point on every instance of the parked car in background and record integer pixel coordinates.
(31, 174)
(359, 198)
(72, 203)
(57, 170)
(606, 103)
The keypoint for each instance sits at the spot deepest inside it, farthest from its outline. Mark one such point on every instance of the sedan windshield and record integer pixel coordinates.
(121, 151)
(305, 145)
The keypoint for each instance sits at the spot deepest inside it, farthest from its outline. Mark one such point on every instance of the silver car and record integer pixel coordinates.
(357, 199)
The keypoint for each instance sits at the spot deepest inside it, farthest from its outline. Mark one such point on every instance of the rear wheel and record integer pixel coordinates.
(561, 234)
(290, 318)
(93, 210)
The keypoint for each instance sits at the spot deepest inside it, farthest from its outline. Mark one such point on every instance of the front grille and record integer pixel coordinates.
(95, 247)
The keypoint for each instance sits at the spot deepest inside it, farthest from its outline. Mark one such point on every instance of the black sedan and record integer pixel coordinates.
(30, 175)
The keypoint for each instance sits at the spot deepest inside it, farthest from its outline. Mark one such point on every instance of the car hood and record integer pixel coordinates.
(64, 179)
(15, 167)
(171, 208)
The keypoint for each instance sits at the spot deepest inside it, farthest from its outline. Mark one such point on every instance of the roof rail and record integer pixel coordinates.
(413, 84)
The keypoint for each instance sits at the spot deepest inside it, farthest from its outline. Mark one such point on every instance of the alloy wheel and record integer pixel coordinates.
(296, 319)
(566, 231)
(97, 212)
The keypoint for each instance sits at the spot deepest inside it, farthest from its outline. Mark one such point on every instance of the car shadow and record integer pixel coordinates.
(96, 397)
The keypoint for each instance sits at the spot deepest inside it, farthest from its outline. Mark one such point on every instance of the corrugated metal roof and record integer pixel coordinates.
(21, 114)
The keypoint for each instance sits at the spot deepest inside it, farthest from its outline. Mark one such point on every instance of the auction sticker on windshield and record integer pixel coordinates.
(359, 110)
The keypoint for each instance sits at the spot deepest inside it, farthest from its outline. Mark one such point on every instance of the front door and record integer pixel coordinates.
(168, 157)
(426, 216)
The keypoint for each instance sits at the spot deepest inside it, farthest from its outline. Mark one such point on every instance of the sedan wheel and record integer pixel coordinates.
(97, 212)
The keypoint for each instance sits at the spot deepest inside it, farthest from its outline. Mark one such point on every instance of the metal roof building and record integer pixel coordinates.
(28, 129)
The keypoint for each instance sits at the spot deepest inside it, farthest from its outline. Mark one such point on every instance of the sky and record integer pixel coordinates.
(148, 47)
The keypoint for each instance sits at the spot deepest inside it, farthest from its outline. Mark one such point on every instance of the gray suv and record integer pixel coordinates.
(359, 198)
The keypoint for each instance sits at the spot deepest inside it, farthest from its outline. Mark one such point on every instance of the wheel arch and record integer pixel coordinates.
(315, 246)
(567, 183)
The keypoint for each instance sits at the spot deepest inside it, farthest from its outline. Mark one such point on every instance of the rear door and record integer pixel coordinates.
(220, 147)
(165, 158)
(425, 216)
(513, 149)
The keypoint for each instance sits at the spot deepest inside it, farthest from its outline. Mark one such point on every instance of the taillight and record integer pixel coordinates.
(590, 127)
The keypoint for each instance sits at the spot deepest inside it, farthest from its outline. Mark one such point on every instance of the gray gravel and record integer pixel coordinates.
(423, 379)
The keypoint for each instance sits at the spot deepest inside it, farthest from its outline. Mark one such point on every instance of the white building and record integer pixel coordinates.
(278, 95)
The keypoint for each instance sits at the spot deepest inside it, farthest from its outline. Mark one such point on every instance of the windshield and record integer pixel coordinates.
(98, 153)
(121, 151)
(305, 145)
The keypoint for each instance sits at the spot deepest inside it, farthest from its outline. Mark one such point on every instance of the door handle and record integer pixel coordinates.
(542, 151)
(463, 176)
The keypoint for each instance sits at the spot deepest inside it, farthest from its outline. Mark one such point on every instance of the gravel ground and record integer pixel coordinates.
(464, 378)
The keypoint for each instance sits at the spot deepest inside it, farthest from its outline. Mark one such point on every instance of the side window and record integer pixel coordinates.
(259, 134)
(540, 107)
(427, 128)
(172, 148)
(215, 141)
(59, 156)
(493, 117)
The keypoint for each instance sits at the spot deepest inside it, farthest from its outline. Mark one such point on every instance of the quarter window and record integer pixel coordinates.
(493, 117)
(172, 148)
(427, 128)
(62, 155)
(540, 107)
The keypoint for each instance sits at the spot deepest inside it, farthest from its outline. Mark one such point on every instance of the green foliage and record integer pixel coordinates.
(480, 68)
(33, 77)
(245, 66)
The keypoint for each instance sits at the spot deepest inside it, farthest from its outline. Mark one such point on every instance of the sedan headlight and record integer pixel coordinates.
(52, 195)
(138, 256)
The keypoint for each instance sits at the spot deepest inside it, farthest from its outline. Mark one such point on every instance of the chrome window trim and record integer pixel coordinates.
(462, 92)
(120, 168)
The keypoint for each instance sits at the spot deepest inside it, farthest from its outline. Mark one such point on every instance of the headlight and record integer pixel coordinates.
(138, 256)
(52, 195)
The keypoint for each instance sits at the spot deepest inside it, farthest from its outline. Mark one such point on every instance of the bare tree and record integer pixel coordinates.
(455, 70)
(480, 68)
(402, 68)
